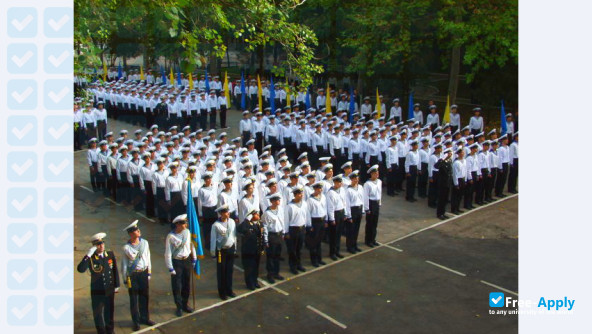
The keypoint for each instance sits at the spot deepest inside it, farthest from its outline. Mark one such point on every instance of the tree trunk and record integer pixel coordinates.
(260, 56)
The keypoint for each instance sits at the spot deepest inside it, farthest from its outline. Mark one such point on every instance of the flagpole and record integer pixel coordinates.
(193, 287)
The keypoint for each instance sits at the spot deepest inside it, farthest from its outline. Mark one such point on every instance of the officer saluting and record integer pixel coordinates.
(136, 275)
(104, 282)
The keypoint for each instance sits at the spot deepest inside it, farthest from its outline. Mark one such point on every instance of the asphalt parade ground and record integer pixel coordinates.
(427, 276)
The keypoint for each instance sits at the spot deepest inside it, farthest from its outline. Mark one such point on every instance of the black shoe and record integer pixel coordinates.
(232, 295)
(376, 243)
(370, 245)
(257, 286)
(149, 322)
(279, 277)
(301, 268)
(270, 279)
(179, 312)
(250, 287)
(282, 259)
(513, 192)
(352, 251)
(333, 257)
(460, 211)
(187, 309)
(339, 255)
(224, 297)
(314, 264)
(322, 263)
(294, 271)
(136, 327)
(357, 249)
(442, 217)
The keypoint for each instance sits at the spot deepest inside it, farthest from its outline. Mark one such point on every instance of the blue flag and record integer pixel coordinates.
(194, 230)
(243, 92)
(207, 81)
(307, 99)
(119, 71)
(411, 113)
(179, 76)
(163, 75)
(503, 121)
(95, 77)
(352, 104)
(272, 96)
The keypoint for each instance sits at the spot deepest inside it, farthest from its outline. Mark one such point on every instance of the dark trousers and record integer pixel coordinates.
(314, 239)
(77, 133)
(433, 189)
(469, 189)
(500, 183)
(103, 306)
(177, 207)
(172, 120)
(137, 194)
(353, 227)
(259, 142)
(513, 178)
(411, 181)
(203, 119)
(223, 116)
(274, 252)
(422, 181)
(113, 185)
(224, 270)
(123, 188)
(480, 187)
(180, 281)
(391, 179)
(294, 245)
(102, 180)
(251, 268)
(209, 218)
(490, 183)
(101, 129)
(94, 175)
(372, 221)
(443, 191)
(139, 297)
(193, 120)
(149, 199)
(400, 175)
(457, 194)
(161, 205)
(335, 232)
(213, 118)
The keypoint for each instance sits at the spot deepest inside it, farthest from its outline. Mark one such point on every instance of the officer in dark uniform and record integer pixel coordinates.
(444, 167)
(104, 282)
(160, 112)
(252, 246)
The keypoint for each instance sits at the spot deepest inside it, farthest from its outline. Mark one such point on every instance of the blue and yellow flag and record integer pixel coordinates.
(243, 92)
(504, 124)
(194, 230)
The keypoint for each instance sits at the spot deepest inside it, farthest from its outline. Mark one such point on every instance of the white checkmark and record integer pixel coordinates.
(56, 242)
(59, 168)
(56, 206)
(20, 206)
(20, 25)
(20, 278)
(59, 96)
(20, 241)
(21, 313)
(20, 97)
(20, 134)
(496, 300)
(59, 60)
(58, 277)
(20, 170)
(56, 314)
(20, 61)
(59, 132)
(58, 25)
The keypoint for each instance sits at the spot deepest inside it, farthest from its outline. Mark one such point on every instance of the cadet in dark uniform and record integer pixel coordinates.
(251, 232)
(104, 282)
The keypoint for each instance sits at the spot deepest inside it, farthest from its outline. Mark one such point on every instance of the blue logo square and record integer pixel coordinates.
(58, 58)
(58, 94)
(496, 299)
(21, 202)
(58, 275)
(22, 238)
(59, 310)
(21, 22)
(58, 167)
(22, 94)
(58, 131)
(22, 58)
(58, 238)
(21, 274)
(21, 130)
(58, 22)
(58, 202)
(21, 310)
(21, 166)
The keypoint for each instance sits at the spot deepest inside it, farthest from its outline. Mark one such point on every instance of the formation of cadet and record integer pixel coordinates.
(298, 177)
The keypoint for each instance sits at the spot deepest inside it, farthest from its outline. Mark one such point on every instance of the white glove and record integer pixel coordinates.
(116, 290)
(91, 251)
(173, 273)
(149, 276)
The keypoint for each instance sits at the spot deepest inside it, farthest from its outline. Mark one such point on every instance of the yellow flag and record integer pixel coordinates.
(141, 73)
(171, 77)
(190, 81)
(226, 92)
(104, 72)
(259, 92)
(289, 97)
(328, 103)
(378, 104)
(446, 117)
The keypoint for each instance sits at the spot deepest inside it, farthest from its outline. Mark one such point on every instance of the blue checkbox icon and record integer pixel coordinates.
(21, 310)
(21, 130)
(21, 166)
(57, 238)
(58, 58)
(22, 58)
(58, 130)
(58, 22)
(21, 238)
(57, 94)
(22, 94)
(21, 202)
(58, 310)
(496, 299)
(58, 275)
(58, 202)
(21, 274)
(58, 167)
(21, 22)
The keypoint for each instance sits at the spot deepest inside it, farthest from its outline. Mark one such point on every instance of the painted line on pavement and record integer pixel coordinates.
(446, 268)
(326, 316)
(500, 288)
